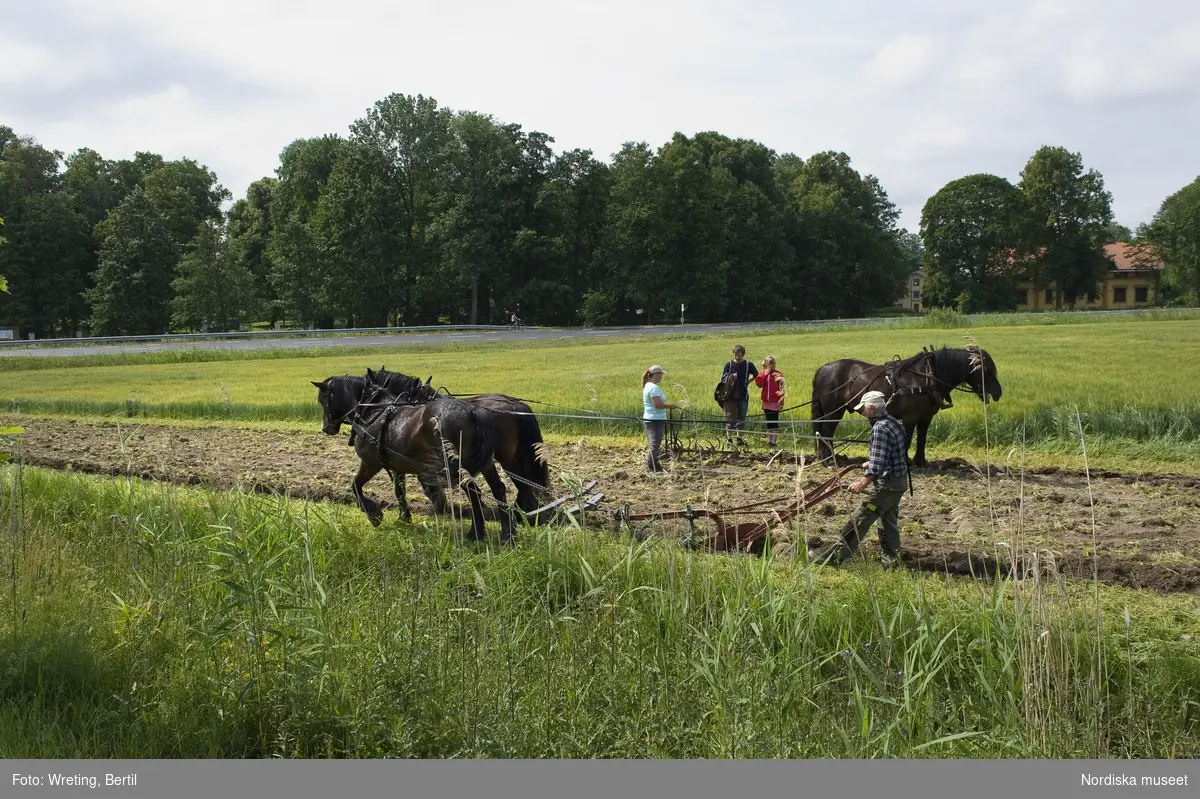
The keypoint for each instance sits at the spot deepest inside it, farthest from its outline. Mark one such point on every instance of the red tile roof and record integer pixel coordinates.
(1132, 256)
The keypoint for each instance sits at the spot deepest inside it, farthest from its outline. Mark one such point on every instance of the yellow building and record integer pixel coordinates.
(911, 300)
(1132, 282)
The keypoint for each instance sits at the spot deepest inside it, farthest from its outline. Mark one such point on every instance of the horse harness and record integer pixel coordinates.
(892, 370)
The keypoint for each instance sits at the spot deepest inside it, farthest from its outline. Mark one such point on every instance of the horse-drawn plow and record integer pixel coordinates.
(744, 536)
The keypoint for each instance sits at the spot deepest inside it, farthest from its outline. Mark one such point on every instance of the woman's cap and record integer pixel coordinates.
(656, 370)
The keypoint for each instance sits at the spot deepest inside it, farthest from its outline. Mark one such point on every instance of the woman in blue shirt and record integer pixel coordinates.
(654, 414)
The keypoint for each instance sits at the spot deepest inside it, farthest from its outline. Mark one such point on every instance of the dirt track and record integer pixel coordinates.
(1147, 528)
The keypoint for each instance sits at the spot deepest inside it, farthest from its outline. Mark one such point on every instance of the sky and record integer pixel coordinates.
(917, 92)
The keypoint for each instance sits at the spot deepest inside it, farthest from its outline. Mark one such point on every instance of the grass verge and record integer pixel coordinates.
(153, 621)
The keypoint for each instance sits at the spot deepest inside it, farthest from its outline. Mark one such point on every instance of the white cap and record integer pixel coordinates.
(656, 370)
(871, 398)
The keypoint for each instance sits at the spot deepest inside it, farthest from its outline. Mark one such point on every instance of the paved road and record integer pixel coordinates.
(384, 340)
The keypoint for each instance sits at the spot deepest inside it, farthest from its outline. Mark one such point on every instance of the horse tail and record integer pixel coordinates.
(529, 444)
(483, 442)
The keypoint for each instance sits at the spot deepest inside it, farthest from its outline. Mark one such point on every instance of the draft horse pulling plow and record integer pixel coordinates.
(403, 426)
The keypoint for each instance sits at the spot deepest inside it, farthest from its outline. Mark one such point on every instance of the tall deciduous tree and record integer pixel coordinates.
(473, 230)
(1069, 213)
(414, 135)
(295, 260)
(249, 229)
(971, 230)
(843, 229)
(49, 259)
(212, 289)
(1175, 233)
(132, 291)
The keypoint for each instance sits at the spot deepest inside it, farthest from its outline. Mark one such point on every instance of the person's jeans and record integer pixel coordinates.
(735, 413)
(655, 431)
(881, 504)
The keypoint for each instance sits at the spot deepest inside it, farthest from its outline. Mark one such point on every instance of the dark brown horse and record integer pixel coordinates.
(916, 388)
(519, 447)
(441, 440)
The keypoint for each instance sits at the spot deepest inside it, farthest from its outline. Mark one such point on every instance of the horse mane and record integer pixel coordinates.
(955, 365)
(399, 384)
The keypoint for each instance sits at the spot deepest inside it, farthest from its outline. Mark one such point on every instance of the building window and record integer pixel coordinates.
(916, 295)
(1141, 294)
(1119, 294)
(1049, 296)
(1023, 297)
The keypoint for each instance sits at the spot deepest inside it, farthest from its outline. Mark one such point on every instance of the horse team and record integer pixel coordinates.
(404, 426)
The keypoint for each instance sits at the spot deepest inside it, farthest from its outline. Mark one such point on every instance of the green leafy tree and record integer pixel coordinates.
(1175, 234)
(49, 258)
(473, 229)
(633, 249)
(1069, 214)
(971, 231)
(187, 195)
(213, 291)
(414, 135)
(1118, 232)
(842, 227)
(249, 229)
(295, 260)
(353, 231)
(132, 291)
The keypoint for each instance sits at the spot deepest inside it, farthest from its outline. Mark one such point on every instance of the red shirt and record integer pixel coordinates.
(773, 387)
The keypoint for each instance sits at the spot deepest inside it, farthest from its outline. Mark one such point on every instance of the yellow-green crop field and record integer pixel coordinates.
(1131, 382)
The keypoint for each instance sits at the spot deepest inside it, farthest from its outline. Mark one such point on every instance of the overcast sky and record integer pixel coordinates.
(918, 92)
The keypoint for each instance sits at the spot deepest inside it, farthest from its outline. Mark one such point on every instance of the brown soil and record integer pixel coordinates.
(1145, 534)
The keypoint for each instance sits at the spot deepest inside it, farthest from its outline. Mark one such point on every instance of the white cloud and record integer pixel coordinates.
(917, 93)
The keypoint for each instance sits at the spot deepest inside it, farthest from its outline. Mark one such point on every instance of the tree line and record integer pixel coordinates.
(426, 215)
(982, 234)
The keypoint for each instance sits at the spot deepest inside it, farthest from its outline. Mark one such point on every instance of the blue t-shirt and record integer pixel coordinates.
(649, 391)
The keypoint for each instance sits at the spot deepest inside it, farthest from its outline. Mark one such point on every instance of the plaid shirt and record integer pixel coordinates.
(887, 454)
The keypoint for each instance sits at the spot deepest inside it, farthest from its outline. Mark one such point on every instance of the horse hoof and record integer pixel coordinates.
(376, 519)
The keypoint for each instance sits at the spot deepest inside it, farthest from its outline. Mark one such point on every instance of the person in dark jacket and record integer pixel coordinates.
(737, 402)
(885, 477)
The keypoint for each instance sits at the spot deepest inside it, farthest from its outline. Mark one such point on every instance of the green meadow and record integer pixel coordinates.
(144, 620)
(1128, 382)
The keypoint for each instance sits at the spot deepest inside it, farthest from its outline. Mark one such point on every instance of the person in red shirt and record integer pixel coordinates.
(770, 380)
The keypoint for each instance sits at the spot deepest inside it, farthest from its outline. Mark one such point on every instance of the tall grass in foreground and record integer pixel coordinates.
(153, 621)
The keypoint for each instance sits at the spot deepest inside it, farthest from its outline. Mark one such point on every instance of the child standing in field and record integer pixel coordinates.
(654, 414)
(770, 380)
(738, 400)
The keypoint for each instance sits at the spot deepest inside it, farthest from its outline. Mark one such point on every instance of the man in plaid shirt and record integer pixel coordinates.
(886, 476)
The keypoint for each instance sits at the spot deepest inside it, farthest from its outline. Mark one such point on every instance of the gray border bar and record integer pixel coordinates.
(698, 779)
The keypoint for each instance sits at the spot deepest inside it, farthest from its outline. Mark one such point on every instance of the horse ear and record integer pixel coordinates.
(370, 375)
(429, 380)
(320, 385)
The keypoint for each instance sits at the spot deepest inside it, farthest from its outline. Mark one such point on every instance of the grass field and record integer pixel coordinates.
(144, 621)
(1128, 381)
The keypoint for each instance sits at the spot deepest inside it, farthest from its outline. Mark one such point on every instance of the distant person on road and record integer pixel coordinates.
(654, 414)
(770, 380)
(737, 401)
